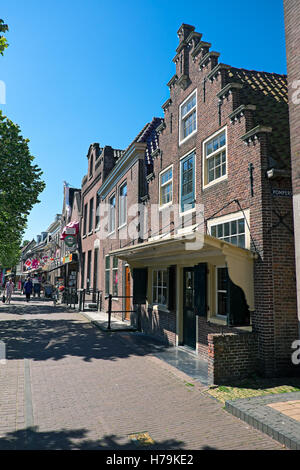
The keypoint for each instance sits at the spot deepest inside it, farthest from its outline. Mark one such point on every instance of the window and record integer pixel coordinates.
(115, 276)
(188, 117)
(107, 275)
(187, 174)
(97, 220)
(88, 274)
(112, 214)
(91, 217)
(123, 205)
(82, 270)
(222, 278)
(84, 219)
(215, 165)
(160, 287)
(232, 231)
(166, 186)
(95, 268)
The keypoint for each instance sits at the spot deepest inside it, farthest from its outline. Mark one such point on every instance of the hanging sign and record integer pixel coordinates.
(70, 240)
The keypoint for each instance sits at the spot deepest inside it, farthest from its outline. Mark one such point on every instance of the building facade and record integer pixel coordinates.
(292, 28)
(218, 275)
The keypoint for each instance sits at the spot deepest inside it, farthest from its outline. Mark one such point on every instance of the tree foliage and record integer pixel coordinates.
(3, 41)
(20, 186)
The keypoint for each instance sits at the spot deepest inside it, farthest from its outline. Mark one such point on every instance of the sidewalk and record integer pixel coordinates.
(278, 416)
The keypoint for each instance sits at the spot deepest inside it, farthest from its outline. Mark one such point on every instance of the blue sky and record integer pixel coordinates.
(96, 71)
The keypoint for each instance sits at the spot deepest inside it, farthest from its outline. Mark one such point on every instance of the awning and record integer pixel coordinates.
(190, 249)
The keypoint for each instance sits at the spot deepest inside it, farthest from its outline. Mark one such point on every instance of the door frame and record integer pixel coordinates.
(181, 312)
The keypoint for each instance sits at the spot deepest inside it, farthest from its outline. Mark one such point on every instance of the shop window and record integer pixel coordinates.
(160, 287)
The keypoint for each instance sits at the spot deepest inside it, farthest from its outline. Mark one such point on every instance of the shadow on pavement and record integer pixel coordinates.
(40, 339)
(64, 439)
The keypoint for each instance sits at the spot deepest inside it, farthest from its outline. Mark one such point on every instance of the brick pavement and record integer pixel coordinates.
(90, 390)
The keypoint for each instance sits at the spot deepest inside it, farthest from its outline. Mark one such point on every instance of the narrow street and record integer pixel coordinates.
(67, 385)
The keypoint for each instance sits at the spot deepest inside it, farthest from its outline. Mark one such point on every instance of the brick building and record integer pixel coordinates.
(292, 30)
(218, 276)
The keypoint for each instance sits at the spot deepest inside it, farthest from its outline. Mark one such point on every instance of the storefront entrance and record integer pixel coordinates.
(189, 317)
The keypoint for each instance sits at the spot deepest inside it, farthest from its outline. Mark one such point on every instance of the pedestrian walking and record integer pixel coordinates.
(36, 286)
(9, 290)
(28, 289)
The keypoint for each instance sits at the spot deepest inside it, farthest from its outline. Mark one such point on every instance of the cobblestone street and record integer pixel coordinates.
(68, 385)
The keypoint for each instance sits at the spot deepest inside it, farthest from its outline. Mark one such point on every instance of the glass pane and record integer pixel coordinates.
(222, 297)
(226, 229)
(218, 172)
(107, 262)
(222, 278)
(241, 226)
(234, 240)
(220, 230)
(233, 227)
(213, 231)
(222, 139)
(241, 241)
(209, 148)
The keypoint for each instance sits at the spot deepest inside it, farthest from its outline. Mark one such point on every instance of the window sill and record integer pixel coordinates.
(111, 233)
(181, 142)
(122, 226)
(90, 233)
(165, 206)
(216, 181)
(188, 212)
(84, 236)
(97, 229)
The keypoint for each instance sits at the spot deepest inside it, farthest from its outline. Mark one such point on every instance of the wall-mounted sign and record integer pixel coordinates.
(70, 240)
(282, 192)
(70, 231)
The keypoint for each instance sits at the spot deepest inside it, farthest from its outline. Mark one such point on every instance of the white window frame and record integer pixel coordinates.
(122, 223)
(160, 186)
(107, 270)
(111, 228)
(219, 315)
(187, 115)
(231, 218)
(205, 159)
(190, 211)
(165, 270)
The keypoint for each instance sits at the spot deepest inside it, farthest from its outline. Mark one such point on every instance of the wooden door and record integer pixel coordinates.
(127, 293)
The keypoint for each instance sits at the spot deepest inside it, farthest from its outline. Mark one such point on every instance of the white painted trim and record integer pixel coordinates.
(182, 141)
(190, 211)
(119, 205)
(162, 206)
(204, 159)
(231, 217)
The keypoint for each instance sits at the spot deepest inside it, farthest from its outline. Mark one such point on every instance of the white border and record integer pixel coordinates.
(204, 159)
(159, 186)
(181, 141)
(190, 211)
(231, 217)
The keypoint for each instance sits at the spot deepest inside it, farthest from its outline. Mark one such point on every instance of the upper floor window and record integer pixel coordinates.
(215, 158)
(112, 214)
(84, 218)
(123, 205)
(166, 186)
(91, 217)
(187, 176)
(188, 117)
(232, 232)
(97, 221)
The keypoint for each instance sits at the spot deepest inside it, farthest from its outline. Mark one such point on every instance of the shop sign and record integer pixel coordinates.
(70, 240)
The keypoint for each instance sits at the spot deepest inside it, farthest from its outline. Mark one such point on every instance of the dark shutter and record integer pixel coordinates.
(200, 289)
(172, 288)
(237, 308)
(140, 281)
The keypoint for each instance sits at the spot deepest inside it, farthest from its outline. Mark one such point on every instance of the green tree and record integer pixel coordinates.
(3, 41)
(20, 183)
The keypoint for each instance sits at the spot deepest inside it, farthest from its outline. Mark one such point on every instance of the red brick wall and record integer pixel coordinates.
(231, 356)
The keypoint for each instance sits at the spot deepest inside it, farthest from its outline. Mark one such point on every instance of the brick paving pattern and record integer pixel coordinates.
(87, 389)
